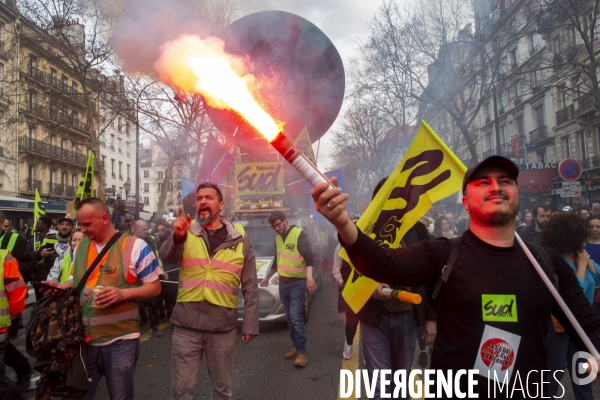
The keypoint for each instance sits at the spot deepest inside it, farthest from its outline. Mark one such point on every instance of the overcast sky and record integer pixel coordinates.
(343, 21)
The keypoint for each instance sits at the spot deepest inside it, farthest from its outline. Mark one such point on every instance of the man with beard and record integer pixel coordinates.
(541, 214)
(65, 228)
(216, 256)
(490, 273)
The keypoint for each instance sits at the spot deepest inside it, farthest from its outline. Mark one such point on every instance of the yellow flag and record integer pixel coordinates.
(86, 186)
(304, 144)
(38, 207)
(428, 172)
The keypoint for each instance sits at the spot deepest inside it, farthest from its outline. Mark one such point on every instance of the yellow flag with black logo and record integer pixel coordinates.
(38, 207)
(304, 144)
(86, 186)
(428, 172)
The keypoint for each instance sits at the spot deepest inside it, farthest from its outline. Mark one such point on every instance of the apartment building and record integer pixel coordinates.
(153, 167)
(117, 138)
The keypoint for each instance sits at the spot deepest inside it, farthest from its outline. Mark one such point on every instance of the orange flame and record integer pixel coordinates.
(191, 64)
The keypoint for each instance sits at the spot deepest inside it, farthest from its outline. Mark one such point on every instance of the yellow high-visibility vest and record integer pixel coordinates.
(290, 262)
(107, 323)
(215, 280)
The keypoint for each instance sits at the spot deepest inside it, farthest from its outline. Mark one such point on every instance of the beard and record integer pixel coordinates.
(210, 218)
(497, 218)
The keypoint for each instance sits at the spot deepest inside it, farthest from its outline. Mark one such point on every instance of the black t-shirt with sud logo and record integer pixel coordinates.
(494, 310)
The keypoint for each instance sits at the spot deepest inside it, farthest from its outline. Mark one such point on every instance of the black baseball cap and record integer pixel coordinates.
(65, 219)
(491, 161)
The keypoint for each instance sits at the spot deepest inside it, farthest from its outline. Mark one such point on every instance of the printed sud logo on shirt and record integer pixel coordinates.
(499, 307)
(290, 246)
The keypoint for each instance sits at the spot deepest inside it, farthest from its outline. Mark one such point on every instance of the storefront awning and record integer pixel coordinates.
(8, 203)
(535, 180)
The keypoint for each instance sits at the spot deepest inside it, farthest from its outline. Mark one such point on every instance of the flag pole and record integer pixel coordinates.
(584, 337)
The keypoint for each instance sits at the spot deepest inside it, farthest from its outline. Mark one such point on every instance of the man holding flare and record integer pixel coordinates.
(494, 300)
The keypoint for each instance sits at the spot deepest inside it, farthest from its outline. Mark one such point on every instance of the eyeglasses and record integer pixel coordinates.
(276, 225)
(161, 230)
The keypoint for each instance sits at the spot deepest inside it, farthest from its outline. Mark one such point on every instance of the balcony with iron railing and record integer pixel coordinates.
(591, 162)
(538, 134)
(585, 103)
(32, 184)
(39, 147)
(62, 190)
(505, 148)
(565, 115)
(36, 75)
(146, 163)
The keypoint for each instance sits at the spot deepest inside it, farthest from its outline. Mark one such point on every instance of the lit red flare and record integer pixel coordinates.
(194, 65)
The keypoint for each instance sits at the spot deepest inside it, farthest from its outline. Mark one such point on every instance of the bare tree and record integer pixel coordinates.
(427, 58)
(367, 148)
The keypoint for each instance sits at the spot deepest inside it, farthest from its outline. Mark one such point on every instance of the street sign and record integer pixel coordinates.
(575, 185)
(569, 169)
(570, 193)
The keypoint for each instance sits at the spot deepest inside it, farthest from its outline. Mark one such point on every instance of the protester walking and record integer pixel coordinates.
(216, 257)
(294, 265)
(540, 213)
(489, 266)
(109, 301)
(567, 233)
(13, 292)
(61, 271)
(351, 322)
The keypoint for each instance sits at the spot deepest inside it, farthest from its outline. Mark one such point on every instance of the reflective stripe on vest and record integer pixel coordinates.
(290, 262)
(215, 280)
(65, 268)
(4, 311)
(104, 324)
(11, 241)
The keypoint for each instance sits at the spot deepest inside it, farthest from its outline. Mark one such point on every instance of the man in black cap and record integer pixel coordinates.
(493, 309)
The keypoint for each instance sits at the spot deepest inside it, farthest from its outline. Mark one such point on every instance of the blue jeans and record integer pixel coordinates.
(117, 363)
(292, 297)
(391, 345)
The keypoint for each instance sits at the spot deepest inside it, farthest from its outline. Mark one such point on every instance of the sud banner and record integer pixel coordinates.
(428, 172)
(259, 179)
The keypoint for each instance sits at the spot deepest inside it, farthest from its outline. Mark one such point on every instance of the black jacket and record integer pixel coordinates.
(371, 311)
(530, 234)
(44, 264)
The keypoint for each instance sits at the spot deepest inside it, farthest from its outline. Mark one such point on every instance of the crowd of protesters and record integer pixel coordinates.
(148, 288)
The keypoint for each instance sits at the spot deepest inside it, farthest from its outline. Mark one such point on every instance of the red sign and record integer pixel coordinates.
(569, 169)
(516, 145)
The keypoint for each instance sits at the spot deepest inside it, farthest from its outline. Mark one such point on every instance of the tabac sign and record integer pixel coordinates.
(257, 179)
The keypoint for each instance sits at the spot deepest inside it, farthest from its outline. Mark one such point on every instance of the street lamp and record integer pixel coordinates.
(127, 187)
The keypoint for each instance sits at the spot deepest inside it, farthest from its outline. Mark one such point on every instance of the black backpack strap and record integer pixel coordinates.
(454, 247)
(99, 258)
(545, 259)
